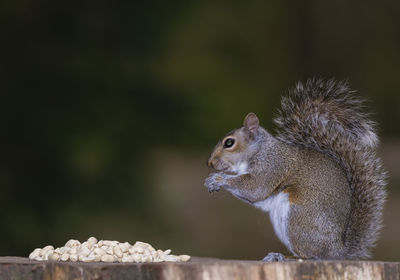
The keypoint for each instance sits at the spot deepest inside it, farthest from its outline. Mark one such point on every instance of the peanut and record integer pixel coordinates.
(64, 257)
(72, 243)
(184, 258)
(73, 257)
(107, 258)
(54, 257)
(35, 254)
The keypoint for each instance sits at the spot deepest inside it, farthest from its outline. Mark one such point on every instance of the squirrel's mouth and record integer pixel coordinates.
(227, 170)
(219, 166)
(223, 169)
(222, 166)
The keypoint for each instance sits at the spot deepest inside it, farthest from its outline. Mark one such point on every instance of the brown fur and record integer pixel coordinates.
(293, 192)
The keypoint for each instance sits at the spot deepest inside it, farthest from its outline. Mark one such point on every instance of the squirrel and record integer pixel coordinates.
(319, 177)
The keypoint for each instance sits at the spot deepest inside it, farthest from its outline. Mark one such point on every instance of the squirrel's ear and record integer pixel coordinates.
(251, 122)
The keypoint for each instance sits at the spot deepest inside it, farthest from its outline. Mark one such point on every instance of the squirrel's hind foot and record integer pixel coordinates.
(274, 257)
(278, 257)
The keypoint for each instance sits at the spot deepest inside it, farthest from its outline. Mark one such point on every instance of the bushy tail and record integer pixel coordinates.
(327, 116)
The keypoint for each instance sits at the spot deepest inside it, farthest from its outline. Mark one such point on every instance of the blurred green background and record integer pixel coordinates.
(110, 110)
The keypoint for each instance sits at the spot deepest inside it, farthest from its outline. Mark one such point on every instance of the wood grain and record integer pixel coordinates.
(198, 268)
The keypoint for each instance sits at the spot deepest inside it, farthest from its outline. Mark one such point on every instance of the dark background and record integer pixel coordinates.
(109, 110)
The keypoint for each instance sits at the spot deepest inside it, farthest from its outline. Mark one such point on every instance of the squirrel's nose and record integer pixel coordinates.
(210, 163)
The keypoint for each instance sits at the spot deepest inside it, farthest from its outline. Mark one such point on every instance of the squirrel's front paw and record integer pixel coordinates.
(214, 182)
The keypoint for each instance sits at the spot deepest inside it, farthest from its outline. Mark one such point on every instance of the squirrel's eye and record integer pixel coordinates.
(229, 142)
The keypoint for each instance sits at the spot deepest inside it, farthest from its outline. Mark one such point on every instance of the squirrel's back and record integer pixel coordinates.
(327, 116)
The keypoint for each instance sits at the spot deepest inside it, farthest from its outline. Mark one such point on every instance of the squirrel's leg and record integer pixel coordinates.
(248, 187)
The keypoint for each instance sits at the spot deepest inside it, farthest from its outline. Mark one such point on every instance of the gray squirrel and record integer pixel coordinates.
(319, 177)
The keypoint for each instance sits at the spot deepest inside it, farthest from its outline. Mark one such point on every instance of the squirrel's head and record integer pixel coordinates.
(232, 152)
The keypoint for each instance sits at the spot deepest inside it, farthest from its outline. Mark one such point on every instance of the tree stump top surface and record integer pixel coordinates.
(198, 268)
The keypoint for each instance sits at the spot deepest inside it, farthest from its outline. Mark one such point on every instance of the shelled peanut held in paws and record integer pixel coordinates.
(105, 251)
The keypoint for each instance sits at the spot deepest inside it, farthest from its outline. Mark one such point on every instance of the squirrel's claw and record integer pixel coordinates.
(213, 190)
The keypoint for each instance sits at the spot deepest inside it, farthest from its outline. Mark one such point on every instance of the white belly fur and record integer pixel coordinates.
(278, 207)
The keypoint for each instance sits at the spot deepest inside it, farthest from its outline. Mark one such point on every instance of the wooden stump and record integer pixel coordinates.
(198, 268)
